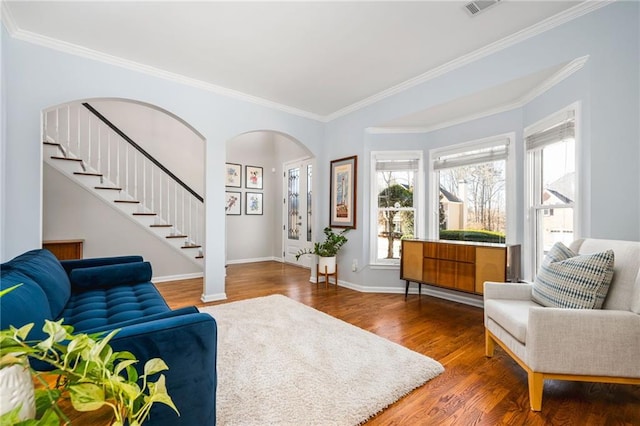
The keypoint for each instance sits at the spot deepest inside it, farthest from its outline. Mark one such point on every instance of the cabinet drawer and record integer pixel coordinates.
(456, 252)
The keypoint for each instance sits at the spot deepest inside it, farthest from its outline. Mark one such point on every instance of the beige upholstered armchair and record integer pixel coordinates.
(592, 345)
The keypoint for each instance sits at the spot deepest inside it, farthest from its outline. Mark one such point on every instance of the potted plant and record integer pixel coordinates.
(327, 250)
(88, 373)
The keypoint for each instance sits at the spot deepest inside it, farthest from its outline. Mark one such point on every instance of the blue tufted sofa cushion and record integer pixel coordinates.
(45, 270)
(26, 304)
(110, 275)
(108, 306)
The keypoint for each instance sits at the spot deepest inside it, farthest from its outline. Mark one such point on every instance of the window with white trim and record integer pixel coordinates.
(551, 185)
(396, 203)
(470, 190)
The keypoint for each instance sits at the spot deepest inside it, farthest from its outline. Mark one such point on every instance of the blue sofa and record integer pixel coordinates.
(102, 294)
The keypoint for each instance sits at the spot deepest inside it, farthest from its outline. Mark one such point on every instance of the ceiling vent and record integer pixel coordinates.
(478, 6)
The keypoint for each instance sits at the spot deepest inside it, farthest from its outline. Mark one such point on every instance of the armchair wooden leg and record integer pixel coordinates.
(489, 344)
(536, 385)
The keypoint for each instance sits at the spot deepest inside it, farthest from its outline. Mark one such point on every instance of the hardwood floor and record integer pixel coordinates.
(473, 390)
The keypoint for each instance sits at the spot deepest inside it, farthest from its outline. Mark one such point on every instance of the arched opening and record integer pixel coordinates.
(125, 177)
(272, 218)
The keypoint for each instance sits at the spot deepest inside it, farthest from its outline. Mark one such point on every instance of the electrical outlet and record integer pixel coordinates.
(354, 265)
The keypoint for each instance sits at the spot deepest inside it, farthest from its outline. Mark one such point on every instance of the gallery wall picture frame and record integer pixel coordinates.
(343, 192)
(233, 203)
(253, 203)
(253, 177)
(233, 175)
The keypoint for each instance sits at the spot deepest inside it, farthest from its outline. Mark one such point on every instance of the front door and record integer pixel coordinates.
(297, 216)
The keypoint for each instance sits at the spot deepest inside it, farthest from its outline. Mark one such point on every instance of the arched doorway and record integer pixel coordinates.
(266, 235)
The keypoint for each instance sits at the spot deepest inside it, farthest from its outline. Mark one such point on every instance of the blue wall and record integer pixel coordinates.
(607, 88)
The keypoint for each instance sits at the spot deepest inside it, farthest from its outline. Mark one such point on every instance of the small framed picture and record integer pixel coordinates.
(233, 175)
(233, 201)
(253, 177)
(253, 203)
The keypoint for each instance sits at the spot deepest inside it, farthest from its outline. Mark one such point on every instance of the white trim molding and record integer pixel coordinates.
(453, 296)
(581, 9)
(566, 71)
(167, 278)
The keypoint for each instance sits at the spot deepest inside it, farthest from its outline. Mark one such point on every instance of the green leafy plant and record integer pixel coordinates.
(331, 245)
(89, 373)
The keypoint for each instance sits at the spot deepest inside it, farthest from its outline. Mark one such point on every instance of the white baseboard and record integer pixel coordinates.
(454, 296)
(213, 297)
(177, 277)
(254, 260)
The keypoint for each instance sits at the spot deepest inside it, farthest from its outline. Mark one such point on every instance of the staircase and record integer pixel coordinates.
(83, 145)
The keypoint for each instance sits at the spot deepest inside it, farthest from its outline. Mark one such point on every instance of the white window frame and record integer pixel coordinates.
(418, 204)
(433, 210)
(531, 240)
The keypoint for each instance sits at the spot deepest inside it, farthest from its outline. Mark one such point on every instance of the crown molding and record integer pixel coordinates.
(549, 23)
(84, 52)
(581, 9)
(566, 71)
(7, 18)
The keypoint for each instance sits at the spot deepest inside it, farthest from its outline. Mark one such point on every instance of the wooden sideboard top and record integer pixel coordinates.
(467, 243)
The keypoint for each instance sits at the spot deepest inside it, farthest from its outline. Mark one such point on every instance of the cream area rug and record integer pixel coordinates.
(283, 363)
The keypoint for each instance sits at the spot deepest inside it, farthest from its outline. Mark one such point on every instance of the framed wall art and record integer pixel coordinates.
(253, 177)
(253, 203)
(233, 175)
(343, 189)
(233, 202)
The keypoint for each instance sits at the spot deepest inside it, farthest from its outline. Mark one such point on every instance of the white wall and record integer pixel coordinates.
(166, 138)
(70, 211)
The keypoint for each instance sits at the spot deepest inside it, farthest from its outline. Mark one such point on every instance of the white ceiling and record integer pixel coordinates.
(319, 59)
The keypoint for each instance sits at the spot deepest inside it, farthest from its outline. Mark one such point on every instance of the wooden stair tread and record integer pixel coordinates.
(108, 187)
(191, 246)
(127, 201)
(144, 214)
(161, 226)
(176, 236)
(87, 174)
(56, 157)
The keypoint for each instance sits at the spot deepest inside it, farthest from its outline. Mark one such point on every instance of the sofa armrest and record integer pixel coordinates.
(512, 291)
(110, 275)
(188, 345)
(70, 265)
(142, 320)
(584, 341)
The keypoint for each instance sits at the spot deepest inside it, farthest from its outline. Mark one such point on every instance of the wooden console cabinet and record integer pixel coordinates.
(64, 249)
(458, 265)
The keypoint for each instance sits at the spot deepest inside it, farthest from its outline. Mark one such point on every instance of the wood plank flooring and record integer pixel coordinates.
(473, 390)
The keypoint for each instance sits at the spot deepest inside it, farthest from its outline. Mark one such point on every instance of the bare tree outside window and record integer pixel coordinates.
(395, 209)
(473, 202)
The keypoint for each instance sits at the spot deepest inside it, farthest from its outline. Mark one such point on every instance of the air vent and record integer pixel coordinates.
(478, 6)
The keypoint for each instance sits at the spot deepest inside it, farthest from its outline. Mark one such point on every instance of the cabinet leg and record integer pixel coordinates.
(406, 291)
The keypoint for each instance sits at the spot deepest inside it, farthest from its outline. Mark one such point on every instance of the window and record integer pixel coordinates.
(395, 203)
(551, 185)
(471, 187)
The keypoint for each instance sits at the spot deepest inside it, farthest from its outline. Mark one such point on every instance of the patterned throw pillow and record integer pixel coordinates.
(569, 280)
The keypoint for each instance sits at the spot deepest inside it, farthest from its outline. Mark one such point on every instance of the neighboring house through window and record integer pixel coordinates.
(470, 185)
(551, 185)
(396, 203)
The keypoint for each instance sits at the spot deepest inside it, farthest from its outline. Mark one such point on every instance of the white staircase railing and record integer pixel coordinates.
(82, 134)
